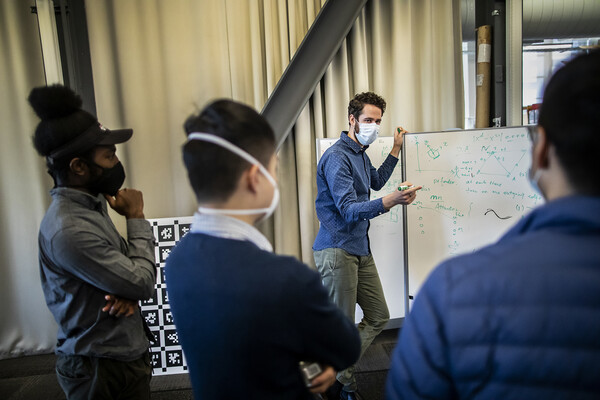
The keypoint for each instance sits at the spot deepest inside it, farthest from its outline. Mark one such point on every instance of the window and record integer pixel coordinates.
(553, 32)
(540, 60)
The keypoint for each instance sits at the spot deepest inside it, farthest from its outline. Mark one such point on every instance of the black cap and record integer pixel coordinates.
(65, 128)
(93, 136)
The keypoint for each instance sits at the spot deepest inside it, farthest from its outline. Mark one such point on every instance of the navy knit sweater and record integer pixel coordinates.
(246, 317)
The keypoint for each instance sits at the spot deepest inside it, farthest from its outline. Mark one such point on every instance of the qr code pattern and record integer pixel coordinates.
(167, 355)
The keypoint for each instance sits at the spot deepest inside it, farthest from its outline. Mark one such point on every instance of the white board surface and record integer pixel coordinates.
(385, 232)
(475, 187)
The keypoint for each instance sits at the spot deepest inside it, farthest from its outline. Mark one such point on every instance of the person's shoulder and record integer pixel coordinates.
(476, 263)
(289, 263)
(59, 223)
(290, 270)
(469, 278)
(333, 151)
(203, 254)
(229, 250)
(337, 149)
(333, 157)
(201, 243)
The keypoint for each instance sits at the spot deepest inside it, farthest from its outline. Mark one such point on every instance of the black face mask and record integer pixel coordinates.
(109, 181)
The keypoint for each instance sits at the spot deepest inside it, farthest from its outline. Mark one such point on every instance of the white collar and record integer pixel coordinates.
(227, 227)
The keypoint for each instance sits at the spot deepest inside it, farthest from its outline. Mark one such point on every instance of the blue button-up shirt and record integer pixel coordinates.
(345, 176)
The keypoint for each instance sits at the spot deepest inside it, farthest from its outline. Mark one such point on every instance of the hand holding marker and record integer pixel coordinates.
(407, 192)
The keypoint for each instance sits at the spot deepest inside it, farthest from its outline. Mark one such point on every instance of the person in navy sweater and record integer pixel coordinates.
(520, 319)
(245, 316)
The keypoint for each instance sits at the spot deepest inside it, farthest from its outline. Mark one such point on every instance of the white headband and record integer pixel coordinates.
(209, 137)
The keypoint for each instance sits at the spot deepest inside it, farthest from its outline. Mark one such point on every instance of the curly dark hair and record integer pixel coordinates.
(358, 103)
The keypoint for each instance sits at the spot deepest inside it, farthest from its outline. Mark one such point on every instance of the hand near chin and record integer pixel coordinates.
(127, 202)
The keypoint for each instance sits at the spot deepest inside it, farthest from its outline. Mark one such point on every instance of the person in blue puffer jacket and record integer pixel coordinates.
(520, 319)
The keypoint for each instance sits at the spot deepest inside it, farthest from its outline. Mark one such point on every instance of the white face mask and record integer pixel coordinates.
(533, 181)
(367, 133)
(208, 137)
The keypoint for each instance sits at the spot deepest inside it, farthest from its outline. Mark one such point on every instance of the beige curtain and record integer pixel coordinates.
(155, 62)
(26, 325)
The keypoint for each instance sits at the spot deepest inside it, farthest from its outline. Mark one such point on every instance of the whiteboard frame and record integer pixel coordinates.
(405, 233)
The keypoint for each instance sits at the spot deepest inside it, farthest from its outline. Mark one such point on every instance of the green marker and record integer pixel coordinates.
(401, 188)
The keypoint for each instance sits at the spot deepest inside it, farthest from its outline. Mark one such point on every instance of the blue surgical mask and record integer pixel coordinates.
(533, 181)
(268, 211)
(367, 133)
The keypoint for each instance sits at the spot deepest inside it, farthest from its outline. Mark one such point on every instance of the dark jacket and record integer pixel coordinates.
(246, 317)
(82, 259)
(519, 319)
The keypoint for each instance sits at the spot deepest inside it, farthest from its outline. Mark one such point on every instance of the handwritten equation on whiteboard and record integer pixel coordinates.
(475, 187)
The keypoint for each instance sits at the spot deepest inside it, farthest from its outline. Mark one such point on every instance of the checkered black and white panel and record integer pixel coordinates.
(167, 355)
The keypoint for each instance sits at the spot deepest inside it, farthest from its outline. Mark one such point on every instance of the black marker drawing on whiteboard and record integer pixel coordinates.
(496, 214)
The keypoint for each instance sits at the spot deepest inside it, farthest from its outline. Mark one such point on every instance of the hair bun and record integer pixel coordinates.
(54, 101)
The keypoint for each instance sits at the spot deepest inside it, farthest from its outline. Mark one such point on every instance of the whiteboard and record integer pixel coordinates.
(475, 187)
(386, 235)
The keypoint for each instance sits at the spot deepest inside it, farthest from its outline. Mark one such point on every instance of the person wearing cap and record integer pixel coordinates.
(92, 278)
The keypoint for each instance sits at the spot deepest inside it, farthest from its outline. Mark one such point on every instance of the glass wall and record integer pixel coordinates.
(553, 32)
(540, 60)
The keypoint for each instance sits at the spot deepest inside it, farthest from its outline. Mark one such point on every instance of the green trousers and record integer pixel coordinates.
(352, 280)
(89, 378)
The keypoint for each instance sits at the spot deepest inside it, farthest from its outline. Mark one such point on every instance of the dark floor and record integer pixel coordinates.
(33, 377)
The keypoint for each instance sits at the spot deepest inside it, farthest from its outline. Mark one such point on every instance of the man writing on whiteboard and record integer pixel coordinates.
(520, 319)
(342, 253)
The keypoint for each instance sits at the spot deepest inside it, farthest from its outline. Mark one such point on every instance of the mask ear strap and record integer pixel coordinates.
(267, 175)
(207, 137)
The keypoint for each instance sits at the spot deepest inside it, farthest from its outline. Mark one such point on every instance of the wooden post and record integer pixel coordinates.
(484, 58)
